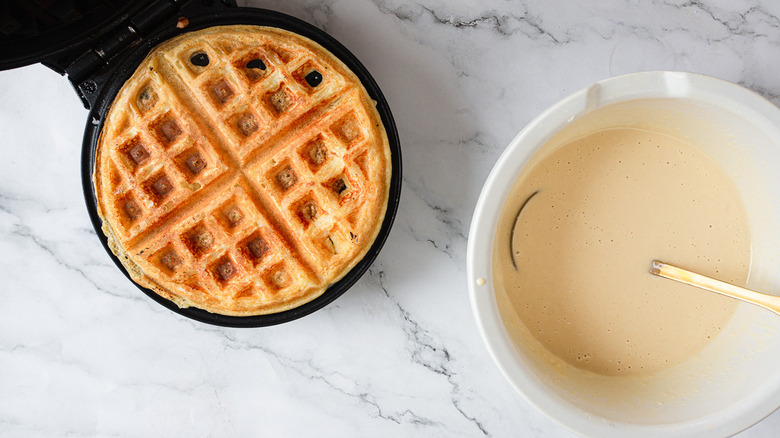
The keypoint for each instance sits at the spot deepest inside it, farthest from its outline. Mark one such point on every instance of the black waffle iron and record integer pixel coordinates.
(98, 44)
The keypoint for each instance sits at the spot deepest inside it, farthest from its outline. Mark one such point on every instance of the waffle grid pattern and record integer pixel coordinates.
(255, 194)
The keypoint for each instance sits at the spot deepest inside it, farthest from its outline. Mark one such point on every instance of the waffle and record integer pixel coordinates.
(241, 170)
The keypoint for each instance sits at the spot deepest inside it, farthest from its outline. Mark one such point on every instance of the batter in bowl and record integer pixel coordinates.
(595, 212)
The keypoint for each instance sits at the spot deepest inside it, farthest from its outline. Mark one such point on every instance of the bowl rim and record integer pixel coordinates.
(633, 86)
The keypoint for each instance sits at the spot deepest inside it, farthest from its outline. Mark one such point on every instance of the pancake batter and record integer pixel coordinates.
(606, 205)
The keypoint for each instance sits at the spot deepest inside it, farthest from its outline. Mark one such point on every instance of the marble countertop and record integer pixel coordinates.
(83, 352)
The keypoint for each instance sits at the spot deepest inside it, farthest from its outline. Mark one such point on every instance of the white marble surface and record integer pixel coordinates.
(83, 352)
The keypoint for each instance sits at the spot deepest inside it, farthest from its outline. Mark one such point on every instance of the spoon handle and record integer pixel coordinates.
(684, 276)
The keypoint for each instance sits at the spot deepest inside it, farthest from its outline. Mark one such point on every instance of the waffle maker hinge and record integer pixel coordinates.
(88, 70)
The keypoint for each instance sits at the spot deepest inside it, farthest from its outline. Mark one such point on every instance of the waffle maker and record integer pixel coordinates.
(98, 45)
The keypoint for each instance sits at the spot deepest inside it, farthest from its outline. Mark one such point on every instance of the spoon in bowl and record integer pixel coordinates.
(665, 270)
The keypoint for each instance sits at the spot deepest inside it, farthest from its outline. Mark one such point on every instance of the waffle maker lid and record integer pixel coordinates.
(79, 38)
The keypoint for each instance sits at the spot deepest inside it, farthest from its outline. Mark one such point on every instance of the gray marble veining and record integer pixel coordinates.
(84, 353)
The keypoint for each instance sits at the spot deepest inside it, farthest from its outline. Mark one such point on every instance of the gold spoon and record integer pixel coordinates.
(769, 302)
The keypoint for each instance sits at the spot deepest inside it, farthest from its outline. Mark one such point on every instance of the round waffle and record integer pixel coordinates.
(241, 170)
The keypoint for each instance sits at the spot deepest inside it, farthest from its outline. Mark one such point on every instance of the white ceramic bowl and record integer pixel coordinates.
(735, 381)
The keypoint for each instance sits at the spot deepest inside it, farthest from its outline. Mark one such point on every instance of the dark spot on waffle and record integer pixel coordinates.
(347, 129)
(200, 59)
(254, 248)
(309, 75)
(316, 154)
(339, 186)
(247, 124)
(162, 186)
(170, 260)
(254, 67)
(168, 130)
(286, 178)
(147, 99)
(314, 78)
(199, 240)
(131, 209)
(256, 63)
(137, 153)
(226, 270)
(257, 247)
(309, 211)
(233, 216)
(221, 91)
(202, 240)
(281, 100)
(195, 163)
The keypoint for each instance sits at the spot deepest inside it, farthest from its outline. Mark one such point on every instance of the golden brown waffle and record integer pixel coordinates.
(241, 170)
